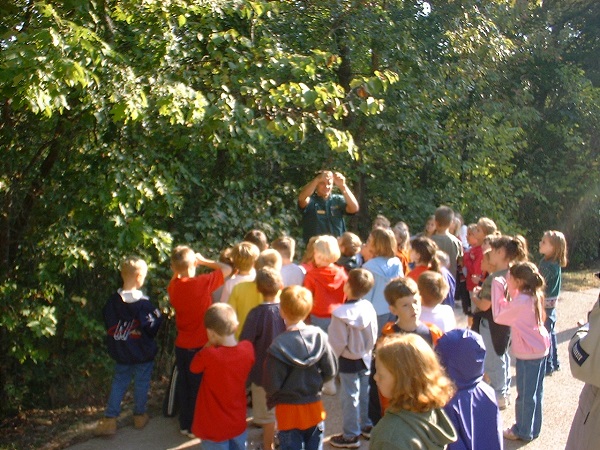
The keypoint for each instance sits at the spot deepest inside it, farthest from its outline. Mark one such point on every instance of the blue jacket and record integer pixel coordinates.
(383, 270)
(131, 323)
(473, 410)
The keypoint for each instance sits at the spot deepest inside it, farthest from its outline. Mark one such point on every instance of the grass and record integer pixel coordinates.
(581, 279)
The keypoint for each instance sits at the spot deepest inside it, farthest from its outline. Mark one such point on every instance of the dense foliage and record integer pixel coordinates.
(130, 126)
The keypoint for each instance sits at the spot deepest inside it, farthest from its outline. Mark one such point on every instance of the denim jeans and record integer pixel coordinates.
(309, 439)
(355, 402)
(237, 443)
(188, 384)
(321, 322)
(496, 367)
(552, 363)
(530, 391)
(141, 374)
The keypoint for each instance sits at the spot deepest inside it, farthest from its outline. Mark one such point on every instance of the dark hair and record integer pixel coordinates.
(258, 238)
(426, 249)
(400, 287)
(360, 281)
(444, 216)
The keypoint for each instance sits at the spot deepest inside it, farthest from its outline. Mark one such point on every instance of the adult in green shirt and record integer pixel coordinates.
(322, 211)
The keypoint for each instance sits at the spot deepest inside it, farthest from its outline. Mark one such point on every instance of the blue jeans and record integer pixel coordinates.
(496, 367)
(237, 443)
(530, 391)
(321, 322)
(141, 374)
(552, 363)
(188, 384)
(355, 402)
(309, 439)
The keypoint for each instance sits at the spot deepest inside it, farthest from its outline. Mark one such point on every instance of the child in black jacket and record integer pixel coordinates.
(131, 323)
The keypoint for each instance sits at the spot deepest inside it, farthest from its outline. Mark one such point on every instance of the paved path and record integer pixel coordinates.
(560, 402)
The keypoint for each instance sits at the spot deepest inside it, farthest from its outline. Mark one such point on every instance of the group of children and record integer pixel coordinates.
(378, 317)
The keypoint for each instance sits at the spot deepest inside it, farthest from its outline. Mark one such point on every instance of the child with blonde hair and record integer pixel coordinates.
(553, 248)
(520, 304)
(246, 295)
(243, 256)
(326, 281)
(131, 323)
(384, 266)
(410, 375)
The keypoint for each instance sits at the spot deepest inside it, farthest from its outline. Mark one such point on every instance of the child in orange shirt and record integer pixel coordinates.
(298, 362)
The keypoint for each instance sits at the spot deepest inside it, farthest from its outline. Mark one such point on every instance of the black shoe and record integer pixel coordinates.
(341, 442)
(366, 432)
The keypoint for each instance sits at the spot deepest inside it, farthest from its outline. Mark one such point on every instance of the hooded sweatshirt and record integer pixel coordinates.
(327, 287)
(383, 270)
(297, 364)
(353, 331)
(473, 410)
(404, 430)
(131, 323)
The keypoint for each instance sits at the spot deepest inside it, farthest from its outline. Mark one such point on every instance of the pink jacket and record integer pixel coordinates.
(530, 340)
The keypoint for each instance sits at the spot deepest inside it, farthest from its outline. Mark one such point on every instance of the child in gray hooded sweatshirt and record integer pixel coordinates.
(352, 335)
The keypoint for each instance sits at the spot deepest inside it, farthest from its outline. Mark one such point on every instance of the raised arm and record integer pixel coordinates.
(202, 261)
(351, 203)
(309, 188)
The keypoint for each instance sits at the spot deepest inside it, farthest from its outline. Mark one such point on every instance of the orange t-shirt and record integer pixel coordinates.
(299, 417)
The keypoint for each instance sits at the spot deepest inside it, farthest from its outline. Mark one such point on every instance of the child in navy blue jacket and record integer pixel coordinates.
(131, 323)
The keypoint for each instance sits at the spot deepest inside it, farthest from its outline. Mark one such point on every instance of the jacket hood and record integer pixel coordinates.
(356, 317)
(330, 278)
(385, 267)
(462, 352)
(302, 348)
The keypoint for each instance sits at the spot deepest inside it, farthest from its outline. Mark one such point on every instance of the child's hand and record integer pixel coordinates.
(476, 291)
(475, 278)
(199, 259)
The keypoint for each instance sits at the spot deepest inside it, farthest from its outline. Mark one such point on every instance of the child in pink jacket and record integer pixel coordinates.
(518, 301)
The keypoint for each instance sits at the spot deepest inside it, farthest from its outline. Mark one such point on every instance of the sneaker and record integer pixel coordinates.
(510, 435)
(340, 441)
(366, 432)
(140, 420)
(188, 433)
(106, 427)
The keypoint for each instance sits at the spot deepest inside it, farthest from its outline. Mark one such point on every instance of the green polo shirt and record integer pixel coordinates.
(324, 216)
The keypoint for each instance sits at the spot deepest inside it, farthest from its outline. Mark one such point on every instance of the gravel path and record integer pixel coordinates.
(560, 401)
